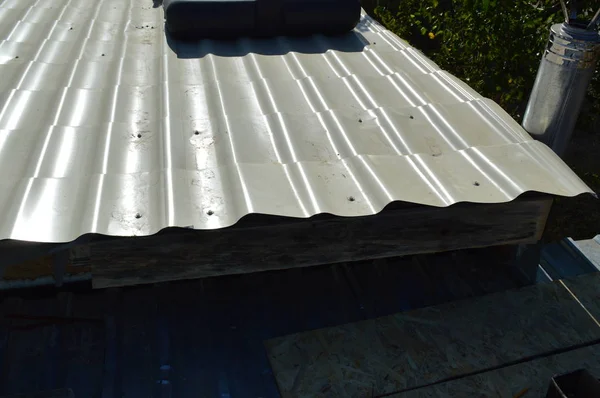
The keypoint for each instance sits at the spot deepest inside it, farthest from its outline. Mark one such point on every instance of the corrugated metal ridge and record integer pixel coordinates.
(134, 132)
(143, 195)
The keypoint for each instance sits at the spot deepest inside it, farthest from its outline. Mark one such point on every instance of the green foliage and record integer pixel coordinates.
(494, 45)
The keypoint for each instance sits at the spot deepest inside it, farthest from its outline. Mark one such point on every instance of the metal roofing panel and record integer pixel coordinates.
(109, 126)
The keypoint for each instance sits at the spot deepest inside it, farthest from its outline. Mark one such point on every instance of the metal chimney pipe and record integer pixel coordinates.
(567, 66)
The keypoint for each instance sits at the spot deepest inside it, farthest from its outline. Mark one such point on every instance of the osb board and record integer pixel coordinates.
(528, 379)
(407, 350)
(587, 289)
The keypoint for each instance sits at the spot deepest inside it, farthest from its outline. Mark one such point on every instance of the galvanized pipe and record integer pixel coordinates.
(595, 20)
(567, 66)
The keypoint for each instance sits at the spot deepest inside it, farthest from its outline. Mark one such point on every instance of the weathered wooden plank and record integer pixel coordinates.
(250, 246)
(528, 379)
(38, 268)
(414, 349)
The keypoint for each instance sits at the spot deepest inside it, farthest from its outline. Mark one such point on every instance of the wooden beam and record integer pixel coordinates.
(262, 243)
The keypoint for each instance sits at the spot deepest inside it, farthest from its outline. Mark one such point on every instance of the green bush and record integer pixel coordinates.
(494, 45)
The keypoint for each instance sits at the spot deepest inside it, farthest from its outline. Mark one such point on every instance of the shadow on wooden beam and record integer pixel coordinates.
(288, 243)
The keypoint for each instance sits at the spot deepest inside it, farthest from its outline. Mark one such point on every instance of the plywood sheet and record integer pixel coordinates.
(528, 379)
(409, 350)
(587, 289)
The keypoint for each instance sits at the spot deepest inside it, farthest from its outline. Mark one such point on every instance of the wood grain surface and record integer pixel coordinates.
(530, 379)
(587, 290)
(414, 349)
(275, 243)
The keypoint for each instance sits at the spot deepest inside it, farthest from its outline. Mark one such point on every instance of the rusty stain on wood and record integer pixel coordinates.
(418, 348)
(274, 243)
(38, 268)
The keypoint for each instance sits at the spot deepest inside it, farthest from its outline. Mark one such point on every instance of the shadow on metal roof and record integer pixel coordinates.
(318, 44)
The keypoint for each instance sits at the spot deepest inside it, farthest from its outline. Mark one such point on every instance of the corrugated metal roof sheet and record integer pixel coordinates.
(108, 126)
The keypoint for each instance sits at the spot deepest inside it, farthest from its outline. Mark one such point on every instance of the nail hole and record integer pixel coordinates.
(196, 132)
(476, 184)
(138, 215)
(103, 55)
(360, 120)
(210, 212)
(71, 28)
(139, 136)
(351, 198)
(17, 56)
(411, 116)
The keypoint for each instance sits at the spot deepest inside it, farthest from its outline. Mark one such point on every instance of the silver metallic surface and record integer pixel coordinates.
(565, 11)
(594, 21)
(571, 13)
(565, 72)
(107, 126)
(590, 248)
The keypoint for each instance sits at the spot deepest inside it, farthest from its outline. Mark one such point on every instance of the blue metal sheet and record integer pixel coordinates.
(564, 259)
